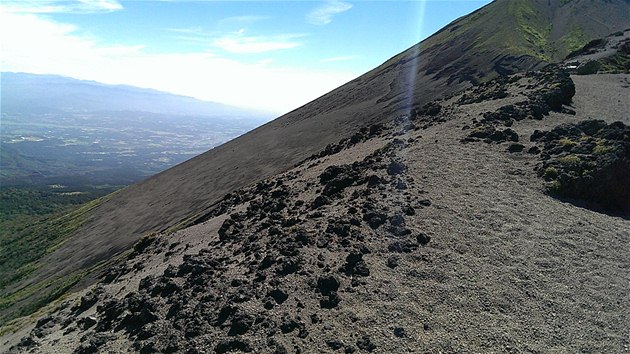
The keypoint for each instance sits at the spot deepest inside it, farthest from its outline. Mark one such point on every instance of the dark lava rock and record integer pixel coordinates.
(289, 325)
(225, 346)
(88, 300)
(334, 344)
(402, 246)
(505, 114)
(374, 219)
(228, 229)
(374, 180)
(330, 301)
(267, 262)
(409, 211)
(490, 134)
(27, 342)
(320, 201)
(400, 332)
(392, 261)
(482, 132)
(355, 265)
(327, 284)
(339, 227)
(396, 168)
(515, 147)
(534, 150)
(399, 184)
(278, 295)
(397, 220)
(86, 322)
(336, 178)
(588, 161)
(288, 265)
(424, 203)
(423, 238)
(241, 323)
(45, 321)
(430, 109)
(365, 343)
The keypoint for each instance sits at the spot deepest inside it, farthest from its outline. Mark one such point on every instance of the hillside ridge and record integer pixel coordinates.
(437, 68)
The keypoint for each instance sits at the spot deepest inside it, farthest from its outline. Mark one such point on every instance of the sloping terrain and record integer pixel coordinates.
(422, 234)
(461, 54)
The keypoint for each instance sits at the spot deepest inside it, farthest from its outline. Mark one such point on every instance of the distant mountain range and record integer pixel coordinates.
(31, 93)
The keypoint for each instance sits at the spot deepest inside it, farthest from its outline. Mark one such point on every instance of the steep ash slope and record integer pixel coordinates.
(417, 235)
(463, 52)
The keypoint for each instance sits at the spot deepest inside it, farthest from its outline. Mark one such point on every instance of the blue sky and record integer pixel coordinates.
(268, 55)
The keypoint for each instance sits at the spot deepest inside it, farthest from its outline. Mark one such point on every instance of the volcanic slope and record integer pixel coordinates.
(434, 232)
(503, 37)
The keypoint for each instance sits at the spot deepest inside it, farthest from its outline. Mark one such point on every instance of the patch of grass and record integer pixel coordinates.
(23, 244)
(25, 237)
(618, 63)
(567, 142)
(570, 160)
(550, 173)
(575, 39)
(44, 293)
(602, 148)
(555, 187)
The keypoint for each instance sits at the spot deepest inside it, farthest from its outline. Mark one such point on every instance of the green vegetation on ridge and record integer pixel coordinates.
(33, 222)
(519, 27)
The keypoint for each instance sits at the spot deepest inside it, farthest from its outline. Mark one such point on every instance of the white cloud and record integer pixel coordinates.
(323, 14)
(37, 45)
(240, 43)
(60, 6)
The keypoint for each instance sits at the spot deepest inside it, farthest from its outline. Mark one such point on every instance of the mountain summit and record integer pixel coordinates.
(396, 212)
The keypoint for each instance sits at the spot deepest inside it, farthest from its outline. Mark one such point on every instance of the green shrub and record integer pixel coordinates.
(567, 142)
(550, 173)
(554, 187)
(570, 160)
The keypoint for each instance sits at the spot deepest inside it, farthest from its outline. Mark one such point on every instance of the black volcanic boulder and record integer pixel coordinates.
(396, 168)
(374, 219)
(320, 201)
(505, 114)
(355, 265)
(490, 134)
(561, 91)
(589, 160)
(328, 285)
(336, 178)
(429, 109)
(241, 323)
(226, 346)
(516, 147)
